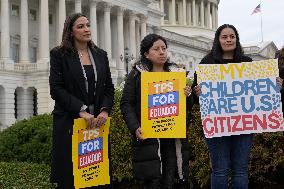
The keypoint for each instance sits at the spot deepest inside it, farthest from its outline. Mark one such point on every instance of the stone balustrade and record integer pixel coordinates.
(23, 67)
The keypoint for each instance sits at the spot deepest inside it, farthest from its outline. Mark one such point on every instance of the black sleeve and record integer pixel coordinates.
(189, 102)
(58, 91)
(109, 88)
(128, 102)
(194, 97)
(195, 83)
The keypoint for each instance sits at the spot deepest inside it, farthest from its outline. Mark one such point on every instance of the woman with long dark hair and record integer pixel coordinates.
(228, 154)
(155, 161)
(81, 85)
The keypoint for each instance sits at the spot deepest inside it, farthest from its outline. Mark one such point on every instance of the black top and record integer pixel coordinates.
(91, 82)
(226, 61)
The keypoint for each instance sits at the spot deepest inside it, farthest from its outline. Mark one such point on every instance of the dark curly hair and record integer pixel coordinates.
(217, 51)
(280, 55)
(145, 45)
(67, 39)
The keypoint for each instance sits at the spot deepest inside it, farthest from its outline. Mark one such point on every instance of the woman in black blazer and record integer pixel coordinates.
(81, 85)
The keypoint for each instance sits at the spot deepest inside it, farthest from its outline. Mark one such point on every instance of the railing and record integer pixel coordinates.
(30, 67)
(251, 49)
(23, 67)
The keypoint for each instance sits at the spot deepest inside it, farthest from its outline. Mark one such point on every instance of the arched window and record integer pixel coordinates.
(19, 103)
(2, 101)
(35, 109)
(16, 104)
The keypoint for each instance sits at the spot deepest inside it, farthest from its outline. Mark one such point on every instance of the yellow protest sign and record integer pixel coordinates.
(90, 154)
(163, 104)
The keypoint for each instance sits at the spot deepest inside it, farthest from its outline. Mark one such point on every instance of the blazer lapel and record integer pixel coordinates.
(77, 72)
(98, 60)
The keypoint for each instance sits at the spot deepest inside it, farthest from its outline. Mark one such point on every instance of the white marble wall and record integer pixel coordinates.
(198, 13)
(193, 18)
(24, 76)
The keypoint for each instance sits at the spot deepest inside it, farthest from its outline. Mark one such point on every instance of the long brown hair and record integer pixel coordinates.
(217, 51)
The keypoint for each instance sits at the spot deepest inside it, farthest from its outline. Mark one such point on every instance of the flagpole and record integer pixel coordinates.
(261, 28)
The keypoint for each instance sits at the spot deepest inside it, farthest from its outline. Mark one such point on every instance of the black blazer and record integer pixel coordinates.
(67, 82)
(67, 88)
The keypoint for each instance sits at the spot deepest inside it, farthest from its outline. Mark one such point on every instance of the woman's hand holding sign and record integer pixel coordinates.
(91, 122)
(197, 90)
(88, 117)
(187, 90)
(101, 119)
(138, 134)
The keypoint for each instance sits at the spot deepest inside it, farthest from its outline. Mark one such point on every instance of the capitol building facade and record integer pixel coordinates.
(30, 28)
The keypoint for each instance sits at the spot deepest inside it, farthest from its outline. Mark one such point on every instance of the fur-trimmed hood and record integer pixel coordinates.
(173, 68)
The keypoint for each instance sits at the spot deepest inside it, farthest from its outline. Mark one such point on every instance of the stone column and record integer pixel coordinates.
(213, 17)
(193, 13)
(216, 16)
(107, 29)
(61, 19)
(143, 26)
(173, 21)
(202, 13)
(2, 109)
(44, 32)
(162, 10)
(207, 17)
(197, 14)
(43, 97)
(9, 109)
(25, 103)
(138, 37)
(132, 45)
(93, 20)
(184, 12)
(78, 6)
(120, 42)
(24, 42)
(189, 12)
(5, 30)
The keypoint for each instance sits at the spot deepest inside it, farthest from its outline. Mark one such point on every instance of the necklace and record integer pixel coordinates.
(81, 52)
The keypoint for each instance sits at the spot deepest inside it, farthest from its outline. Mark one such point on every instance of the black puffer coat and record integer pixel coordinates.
(151, 154)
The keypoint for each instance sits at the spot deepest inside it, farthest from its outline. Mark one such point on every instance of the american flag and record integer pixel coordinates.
(256, 10)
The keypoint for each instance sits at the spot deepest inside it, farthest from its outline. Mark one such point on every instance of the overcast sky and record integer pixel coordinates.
(238, 13)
